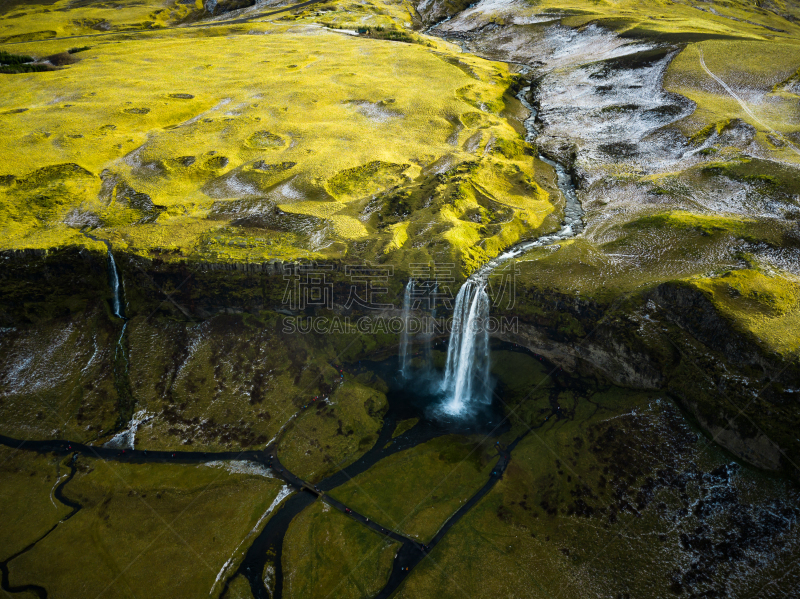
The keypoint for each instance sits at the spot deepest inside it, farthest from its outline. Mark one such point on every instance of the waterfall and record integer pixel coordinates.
(116, 302)
(467, 378)
(429, 328)
(404, 334)
(114, 278)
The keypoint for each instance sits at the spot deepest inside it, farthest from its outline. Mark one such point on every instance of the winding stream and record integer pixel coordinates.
(401, 406)
(467, 380)
(271, 537)
(58, 492)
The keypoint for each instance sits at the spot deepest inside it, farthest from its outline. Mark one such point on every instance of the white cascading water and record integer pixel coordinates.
(404, 335)
(467, 371)
(117, 301)
(467, 379)
(117, 305)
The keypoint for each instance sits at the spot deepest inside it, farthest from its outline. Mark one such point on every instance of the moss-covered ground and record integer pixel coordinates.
(239, 382)
(218, 143)
(766, 306)
(225, 382)
(759, 75)
(332, 432)
(711, 253)
(403, 426)
(27, 498)
(330, 555)
(133, 520)
(671, 19)
(415, 491)
(615, 495)
(239, 588)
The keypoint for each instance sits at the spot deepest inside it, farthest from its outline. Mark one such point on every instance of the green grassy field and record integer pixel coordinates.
(415, 491)
(329, 555)
(332, 433)
(595, 503)
(26, 497)
(137, 518)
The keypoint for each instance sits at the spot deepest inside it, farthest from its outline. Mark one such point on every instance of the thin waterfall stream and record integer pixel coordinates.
(113, 275)
(404, 334)
(467, 378)
(116, 302)
(127, 421)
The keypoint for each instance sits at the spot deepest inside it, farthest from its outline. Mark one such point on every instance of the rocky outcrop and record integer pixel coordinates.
(435, 11)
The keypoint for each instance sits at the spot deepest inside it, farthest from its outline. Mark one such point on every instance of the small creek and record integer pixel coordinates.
(404, 403)
(58, 493)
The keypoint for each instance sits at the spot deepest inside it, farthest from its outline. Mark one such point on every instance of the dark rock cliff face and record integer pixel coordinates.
(671, 337)
(37, 285)
(199, 290)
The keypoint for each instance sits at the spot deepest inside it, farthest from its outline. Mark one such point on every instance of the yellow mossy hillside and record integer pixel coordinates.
(399, 236)
(681, 20)
(758, 76)
(766, 305)
(28, 22)
(270, 141)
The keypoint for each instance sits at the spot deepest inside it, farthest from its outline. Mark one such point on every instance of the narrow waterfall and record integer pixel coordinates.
(404, 334)
(467, 378)
(113, 275)
(116, 302)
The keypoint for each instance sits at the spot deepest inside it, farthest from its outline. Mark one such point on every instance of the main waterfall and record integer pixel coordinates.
(467, 378)
(404, 334)
(467, 381)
